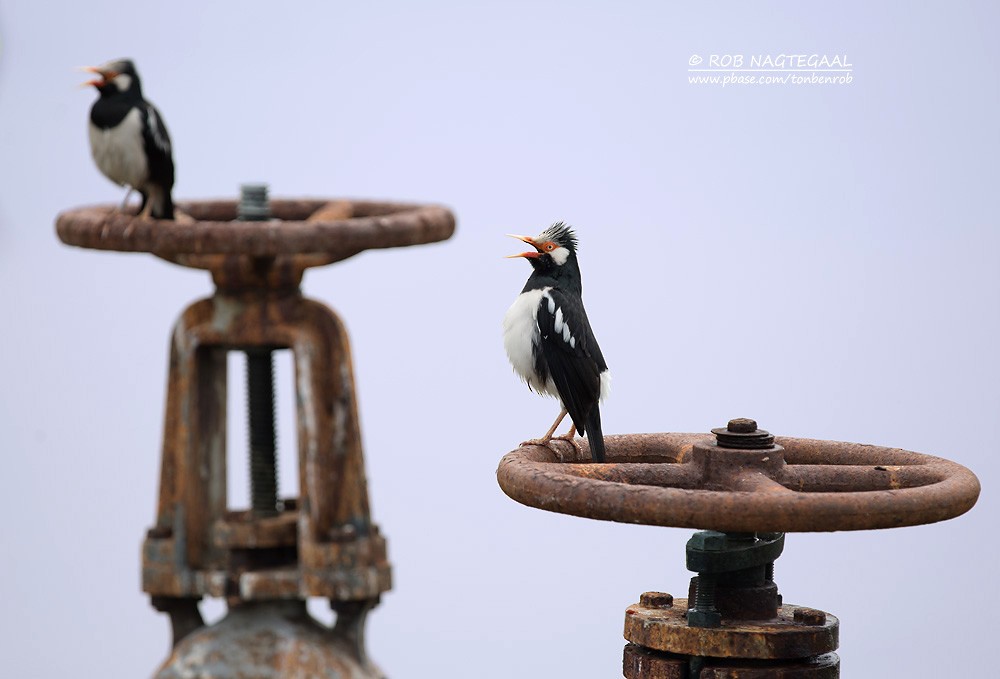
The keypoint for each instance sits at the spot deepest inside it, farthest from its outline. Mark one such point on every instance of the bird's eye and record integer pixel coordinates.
(550, 247)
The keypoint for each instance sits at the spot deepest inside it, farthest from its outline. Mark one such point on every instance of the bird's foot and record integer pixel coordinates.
(547, 442)
(570, 438)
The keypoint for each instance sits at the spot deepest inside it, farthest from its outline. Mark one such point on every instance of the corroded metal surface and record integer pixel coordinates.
(825, 666)
(326, 546)
(643, 663)
(667, 629)
(686, 480)
(267, 641)
(212, 229)
(268, 560)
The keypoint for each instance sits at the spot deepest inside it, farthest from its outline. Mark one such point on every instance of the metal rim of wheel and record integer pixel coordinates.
(687, 481)
(299, 227)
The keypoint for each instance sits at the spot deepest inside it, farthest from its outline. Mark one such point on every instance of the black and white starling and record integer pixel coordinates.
(549, 340)
(129, 140)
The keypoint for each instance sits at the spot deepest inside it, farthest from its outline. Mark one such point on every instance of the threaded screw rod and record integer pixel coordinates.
(263, 438)
(254, 206)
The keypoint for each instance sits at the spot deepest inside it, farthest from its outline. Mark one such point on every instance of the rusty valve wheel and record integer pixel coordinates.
(335, 229)
(743, 480)
(271, 253)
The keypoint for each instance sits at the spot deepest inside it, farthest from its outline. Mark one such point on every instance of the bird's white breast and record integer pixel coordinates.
(520, 334)
(119, 151)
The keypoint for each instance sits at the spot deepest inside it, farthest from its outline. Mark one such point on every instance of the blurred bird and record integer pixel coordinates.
(129, 140)
(549, 340)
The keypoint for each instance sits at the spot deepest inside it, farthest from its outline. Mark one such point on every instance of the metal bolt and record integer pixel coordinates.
(743, 433)
(656, 600)
(254, 206)
(708, 541)
(742, 425)
(159, 532)
(769, 568)
(705, 592)
(809, 616)
(703, 614)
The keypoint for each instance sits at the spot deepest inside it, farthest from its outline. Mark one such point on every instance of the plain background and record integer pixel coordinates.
(822, 258)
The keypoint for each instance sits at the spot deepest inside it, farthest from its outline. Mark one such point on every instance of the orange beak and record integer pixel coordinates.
(535, 254)
(105, 76)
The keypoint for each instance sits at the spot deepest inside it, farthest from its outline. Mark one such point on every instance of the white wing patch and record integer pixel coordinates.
(552, 302)
(159, 138)
(560, 325)
(567, 335)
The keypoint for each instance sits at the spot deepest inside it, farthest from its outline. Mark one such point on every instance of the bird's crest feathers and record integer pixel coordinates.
(561, 233)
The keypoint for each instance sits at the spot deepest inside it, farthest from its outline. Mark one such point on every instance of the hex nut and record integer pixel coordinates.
(742, 425)
(809, 616)
(656, 600)
(699, 618)
(708, 541)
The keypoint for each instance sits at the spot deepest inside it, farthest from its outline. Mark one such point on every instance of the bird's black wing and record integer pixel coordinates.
(571, 352)
(159, 152)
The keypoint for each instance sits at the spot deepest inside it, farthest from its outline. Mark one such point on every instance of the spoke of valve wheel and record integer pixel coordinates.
(757, 482)
(260, 402)
(811, 478)
(662, 474)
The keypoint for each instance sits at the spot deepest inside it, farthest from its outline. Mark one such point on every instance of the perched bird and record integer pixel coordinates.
(549, 340)
(129, 140)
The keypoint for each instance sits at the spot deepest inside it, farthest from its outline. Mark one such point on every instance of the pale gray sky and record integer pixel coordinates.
(820, 257)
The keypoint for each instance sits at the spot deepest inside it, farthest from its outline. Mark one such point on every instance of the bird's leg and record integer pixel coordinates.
(128, 194)
(568, 437)
(552, 429)
(120, 208)
(548, 435)
(146, 211)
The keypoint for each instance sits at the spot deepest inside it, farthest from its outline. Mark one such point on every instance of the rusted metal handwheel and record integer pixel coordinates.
(302, 234)
(688, 481)
(747, 489)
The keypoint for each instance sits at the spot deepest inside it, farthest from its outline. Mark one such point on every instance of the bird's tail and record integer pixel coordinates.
(594, 434)
(165, 208)
(162, 204)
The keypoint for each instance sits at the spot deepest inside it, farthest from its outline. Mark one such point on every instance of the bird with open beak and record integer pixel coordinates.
(128, 139)
(549, 340)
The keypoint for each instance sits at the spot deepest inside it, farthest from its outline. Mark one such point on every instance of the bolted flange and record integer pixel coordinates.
(783, 637)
